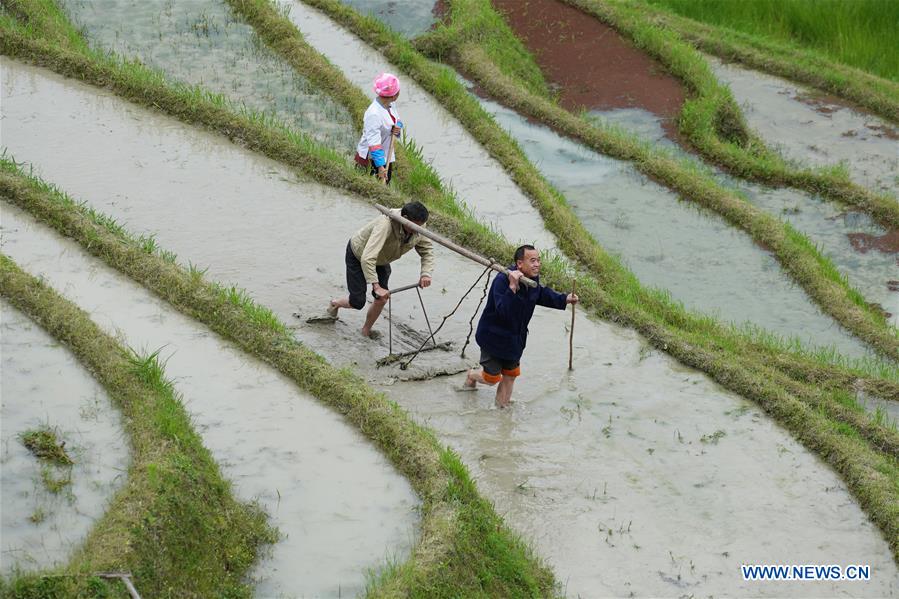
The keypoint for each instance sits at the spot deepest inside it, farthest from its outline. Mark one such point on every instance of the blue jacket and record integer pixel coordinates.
(503, 327)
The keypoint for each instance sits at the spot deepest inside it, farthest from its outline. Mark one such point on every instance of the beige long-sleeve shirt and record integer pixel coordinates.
(383, 240)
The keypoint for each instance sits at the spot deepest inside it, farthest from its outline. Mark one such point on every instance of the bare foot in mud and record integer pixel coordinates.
(470, 380)
(503, 404)
(469, 384)
(332, 309)
(371, 334)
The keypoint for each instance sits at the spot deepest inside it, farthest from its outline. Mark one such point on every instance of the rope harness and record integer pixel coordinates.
(405, 365)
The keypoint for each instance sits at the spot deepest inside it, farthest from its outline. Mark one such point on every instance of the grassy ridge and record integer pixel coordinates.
(472, 528)
(880, 96)
(464, 546)
(798, 256)
(861, 33)
(713, 124)
(175, 524)
(745, 364)
(574, 240)
(413, 175)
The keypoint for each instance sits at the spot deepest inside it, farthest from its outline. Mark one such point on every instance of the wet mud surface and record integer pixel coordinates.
(667, 243)
(411, 18)
(340, 506)
(43, 384)
(456, 156)
(888, 243)
(590, 64)
(813, 129)
(630, 474)
(206, 45)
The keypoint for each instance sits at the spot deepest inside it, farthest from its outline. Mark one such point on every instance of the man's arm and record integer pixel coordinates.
(550, 298)
(425, 250)
(506, 300)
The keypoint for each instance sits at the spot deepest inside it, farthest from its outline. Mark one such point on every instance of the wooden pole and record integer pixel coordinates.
(125, 577)
(389, 150)
(571, 333)
(404, 288)
(450, 245)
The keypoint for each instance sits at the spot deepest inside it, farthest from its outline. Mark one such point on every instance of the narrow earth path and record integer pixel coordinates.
(629, 465)
(44, 385)
(341, 507)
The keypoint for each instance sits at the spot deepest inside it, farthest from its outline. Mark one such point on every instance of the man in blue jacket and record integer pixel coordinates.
(503, 328)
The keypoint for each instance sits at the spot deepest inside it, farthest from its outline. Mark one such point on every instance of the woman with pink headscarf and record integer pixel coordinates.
(379, 123)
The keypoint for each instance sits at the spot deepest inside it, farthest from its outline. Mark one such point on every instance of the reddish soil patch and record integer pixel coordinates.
(827, 104)
(887, 243)
(440, 11)
(591, 64)
(884, 131)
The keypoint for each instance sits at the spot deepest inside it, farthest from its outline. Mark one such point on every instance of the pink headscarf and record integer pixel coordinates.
(387, 85)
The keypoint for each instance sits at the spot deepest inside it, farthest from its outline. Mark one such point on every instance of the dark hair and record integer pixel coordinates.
(415, 211)
(519, 253)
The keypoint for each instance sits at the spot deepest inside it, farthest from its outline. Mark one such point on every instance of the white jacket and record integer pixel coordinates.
(376, 126)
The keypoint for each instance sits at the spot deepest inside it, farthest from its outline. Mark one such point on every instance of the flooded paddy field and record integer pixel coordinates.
(630, 474)
(815, 129)
(48, 509)
(205, 44)
(408, 17)
(861, 249)
(459, 160)
(694, 254)
(340, 507)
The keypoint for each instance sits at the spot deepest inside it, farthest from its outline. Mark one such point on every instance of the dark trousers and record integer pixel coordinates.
(355, 278)
(364, 163)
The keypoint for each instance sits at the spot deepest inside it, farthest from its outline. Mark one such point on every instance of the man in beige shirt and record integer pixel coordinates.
(368, 257)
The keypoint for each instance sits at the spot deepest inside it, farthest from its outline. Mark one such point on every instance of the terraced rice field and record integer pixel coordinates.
(733, 397)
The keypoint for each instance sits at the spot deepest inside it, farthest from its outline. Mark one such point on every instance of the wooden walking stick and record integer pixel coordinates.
(389, 150)
(571, 333)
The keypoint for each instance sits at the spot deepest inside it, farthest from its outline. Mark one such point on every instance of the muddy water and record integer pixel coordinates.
(460, 161)
(859, 247)
(815, 129)
(698, 257)
(45, 385)
(840, 235)
(341, 507)
(206, 45)
(408, 17)
(690, 479)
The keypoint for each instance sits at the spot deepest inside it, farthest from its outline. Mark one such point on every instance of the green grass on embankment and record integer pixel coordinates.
(712, 122)
(880, 96)
(805, 393)
(414, 176)
(799, 257)
(464, 546)
(858, 33)
(174, 525)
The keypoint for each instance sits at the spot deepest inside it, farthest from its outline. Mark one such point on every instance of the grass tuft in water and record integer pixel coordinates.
(45, 444)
